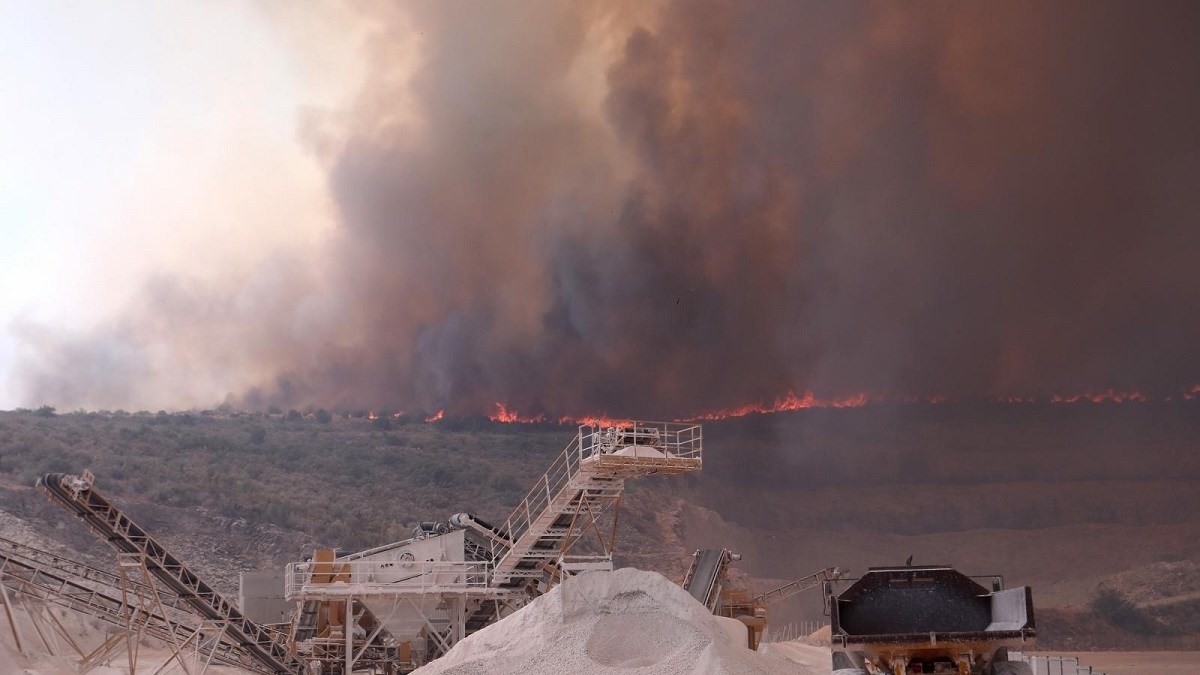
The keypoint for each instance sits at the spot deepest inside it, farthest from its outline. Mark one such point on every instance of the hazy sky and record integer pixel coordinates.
(648, 207)
(146, 137)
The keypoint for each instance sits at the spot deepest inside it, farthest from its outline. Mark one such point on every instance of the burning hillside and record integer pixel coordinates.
(808, 401)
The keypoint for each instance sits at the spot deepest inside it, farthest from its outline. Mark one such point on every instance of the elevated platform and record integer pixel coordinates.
(389, 578)
(587, 480)
(450, 579)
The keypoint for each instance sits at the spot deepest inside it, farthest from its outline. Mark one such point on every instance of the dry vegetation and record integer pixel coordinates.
(348, 481)
(1067, 499)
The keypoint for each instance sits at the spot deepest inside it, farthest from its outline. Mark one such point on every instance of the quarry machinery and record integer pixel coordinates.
(450, 579)
(927, 619)
(397, 606)
(122, 602)
(137, 549)
(708, 581)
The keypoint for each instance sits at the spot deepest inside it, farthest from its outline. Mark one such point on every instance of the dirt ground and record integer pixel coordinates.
(813, 657)
(1141, 663)
(816, 658)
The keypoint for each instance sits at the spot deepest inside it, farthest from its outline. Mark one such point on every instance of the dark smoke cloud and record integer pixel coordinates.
(963, 199)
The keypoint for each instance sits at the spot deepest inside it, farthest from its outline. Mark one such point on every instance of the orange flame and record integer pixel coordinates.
(435, 417)
(1106, 396)
(503, 414)
(788, 403)
(792, 402)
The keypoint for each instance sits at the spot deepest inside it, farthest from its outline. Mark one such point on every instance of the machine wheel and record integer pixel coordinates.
(1012, 668)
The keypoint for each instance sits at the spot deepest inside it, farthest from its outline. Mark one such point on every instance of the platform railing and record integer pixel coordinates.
(671, 439)
(380, 577)
(674, 440)
(538, 499)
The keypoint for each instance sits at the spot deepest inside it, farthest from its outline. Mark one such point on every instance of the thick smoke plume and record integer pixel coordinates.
(574, 207)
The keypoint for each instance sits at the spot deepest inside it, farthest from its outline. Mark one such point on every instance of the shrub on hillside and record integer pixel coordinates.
(1116, 608)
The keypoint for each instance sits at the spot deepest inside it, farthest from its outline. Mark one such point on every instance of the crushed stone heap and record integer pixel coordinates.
(628, 622)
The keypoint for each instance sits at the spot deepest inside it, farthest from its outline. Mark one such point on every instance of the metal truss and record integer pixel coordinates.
(113, 525)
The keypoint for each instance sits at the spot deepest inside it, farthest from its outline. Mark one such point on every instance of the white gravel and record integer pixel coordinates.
(626, 622)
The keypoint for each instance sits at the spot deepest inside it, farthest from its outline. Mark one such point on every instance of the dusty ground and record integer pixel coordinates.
(813, 657)
(1141, 663)
(87, 634)
(816, 658)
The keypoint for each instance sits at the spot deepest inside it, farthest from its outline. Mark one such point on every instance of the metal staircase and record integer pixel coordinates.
(568, 501)
(77, 496)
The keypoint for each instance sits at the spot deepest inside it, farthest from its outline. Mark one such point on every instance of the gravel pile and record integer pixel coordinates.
(626, 622)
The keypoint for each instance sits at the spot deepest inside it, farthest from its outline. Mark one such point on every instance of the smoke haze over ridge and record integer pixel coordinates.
(580, 207)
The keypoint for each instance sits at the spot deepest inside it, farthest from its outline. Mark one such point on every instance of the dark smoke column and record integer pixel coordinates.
(957, 200)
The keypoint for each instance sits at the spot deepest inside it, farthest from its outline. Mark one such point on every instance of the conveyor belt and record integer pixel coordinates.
(708, 566)
(484, 540)
(77, 496)
(796, 587)
(76, 586)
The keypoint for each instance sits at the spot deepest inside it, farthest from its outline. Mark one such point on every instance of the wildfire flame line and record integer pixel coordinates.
(791, 401)
(503, 414)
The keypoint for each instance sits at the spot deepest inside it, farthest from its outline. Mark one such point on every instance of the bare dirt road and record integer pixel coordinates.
(1142, 663)
(816, 658)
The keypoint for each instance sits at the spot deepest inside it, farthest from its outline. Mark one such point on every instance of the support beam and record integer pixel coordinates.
(62, 631)
(12, 621)
(78, 496)
(52, 581)
(37, 626)
(348, 629)
(99, 654)
(175, 655)
(366, 645)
